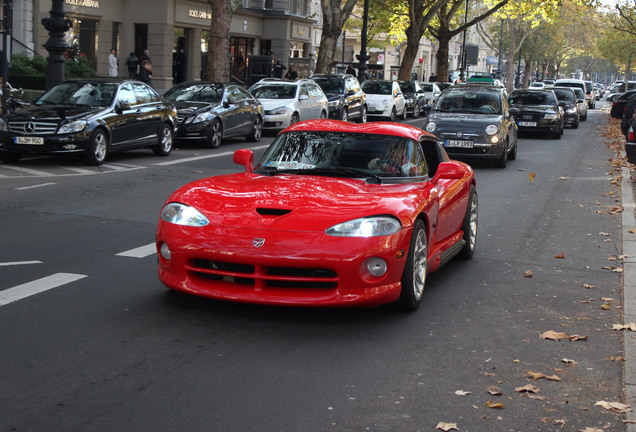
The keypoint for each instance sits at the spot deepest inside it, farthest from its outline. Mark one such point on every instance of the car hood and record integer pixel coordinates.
(54, 112)
(187, 107)
(269, 104)
(294, 202)
(463, 119)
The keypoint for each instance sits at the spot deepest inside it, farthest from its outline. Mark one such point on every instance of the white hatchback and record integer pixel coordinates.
(288, 102)
(385, 99)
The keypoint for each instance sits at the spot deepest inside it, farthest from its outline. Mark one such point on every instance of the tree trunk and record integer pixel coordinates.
(334, 15)
(327, 51)
(218, 62)
(410, 52)
(442, 56)
(527, 72)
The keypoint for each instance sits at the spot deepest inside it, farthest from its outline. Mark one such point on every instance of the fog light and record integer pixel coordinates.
(165, 251)
(376, 266)
(70, 147)
(494, 139)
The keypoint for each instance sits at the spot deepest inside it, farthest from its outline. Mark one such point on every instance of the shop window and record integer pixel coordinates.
(296, 50)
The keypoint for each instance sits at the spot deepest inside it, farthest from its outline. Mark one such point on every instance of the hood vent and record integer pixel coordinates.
(271, 215)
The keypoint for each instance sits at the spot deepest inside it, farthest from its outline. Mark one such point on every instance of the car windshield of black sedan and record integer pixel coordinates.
(532, 98)
(474, 102)
(79, 93)
(196, 93)
(330, 85)
(407, 87)
(274, 91)
(341, 154)
(564, 95)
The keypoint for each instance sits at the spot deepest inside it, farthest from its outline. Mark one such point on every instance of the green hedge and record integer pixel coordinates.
(30, 72)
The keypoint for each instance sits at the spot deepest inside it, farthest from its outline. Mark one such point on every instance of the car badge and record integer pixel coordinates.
(258, 242)
(459, 134)
(29, 127)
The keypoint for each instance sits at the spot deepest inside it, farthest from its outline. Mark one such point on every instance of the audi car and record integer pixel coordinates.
(537, 110)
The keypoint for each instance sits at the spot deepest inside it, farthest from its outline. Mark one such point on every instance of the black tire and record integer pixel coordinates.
(512, 154)
(363, 114)
(344, 114)
(95, 153)
(575, 125)
(502, 160)
(416, 110)
(470, 225)
(414, 276)
(584, 117)
(9, 157)
(404, 113)
(164, 144)
(393, 115)
(257, 130)
(215, 134)
(294, 119)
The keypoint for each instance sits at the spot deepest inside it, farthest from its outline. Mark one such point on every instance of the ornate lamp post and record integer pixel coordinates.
(57, 25)
(363, 57)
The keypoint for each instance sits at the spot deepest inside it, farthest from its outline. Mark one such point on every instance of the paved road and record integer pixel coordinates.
(100, 345)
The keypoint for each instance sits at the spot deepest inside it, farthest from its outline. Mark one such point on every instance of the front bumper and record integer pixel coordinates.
(480, 149)
(51, 144)
(276, 121)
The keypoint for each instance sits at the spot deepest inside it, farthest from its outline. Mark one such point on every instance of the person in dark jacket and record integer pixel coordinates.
(278, 69)
(180, 66)
(145, 72)
(291, 74)
(132, 62)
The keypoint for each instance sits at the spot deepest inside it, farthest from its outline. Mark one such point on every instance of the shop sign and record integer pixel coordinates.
(192, 13)
(83, 3)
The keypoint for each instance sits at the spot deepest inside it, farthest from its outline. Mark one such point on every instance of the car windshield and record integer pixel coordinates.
(377, 87)
(407, 87)
(273, 91)
(532, 98)
(80, 93)
(469, 102)
(330, 85)
(564, 95)
(212, 93)
(579, 93)
(339, 154)
(427, 87)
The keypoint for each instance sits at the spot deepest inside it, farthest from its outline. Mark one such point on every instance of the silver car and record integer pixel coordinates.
(288, 102)
(581, 103)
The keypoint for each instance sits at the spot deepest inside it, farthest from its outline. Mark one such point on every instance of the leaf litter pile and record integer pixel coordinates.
(560, 389)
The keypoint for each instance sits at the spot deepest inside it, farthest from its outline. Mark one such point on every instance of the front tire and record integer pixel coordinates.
(393, 115)
(414, 276)
(294, 119)
(416, 110)
(470, 225)
(257, 130)
(164, 146)
(363, 115)
(95, 153)
(215, 134)
(502, 160)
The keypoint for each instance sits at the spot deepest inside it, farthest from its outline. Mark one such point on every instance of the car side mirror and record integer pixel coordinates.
(513, 111)
(448, 171)
(123, 106)
(303, 97)
(350, 93)
(245, 157)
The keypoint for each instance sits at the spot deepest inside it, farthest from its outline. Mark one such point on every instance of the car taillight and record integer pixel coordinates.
(630, 135)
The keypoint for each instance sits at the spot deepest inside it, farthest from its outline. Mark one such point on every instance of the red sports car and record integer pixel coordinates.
(334, 214)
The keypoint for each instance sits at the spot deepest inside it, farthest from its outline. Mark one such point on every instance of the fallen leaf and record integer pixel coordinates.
(553, 378)
(603, 234)
(630, 327)
(607, 299)
(616, 407)
(560, 256)
(617, 270)
(615, 359)
(588, 286)
(605, 306)
(632, 231)
(531, 175)
(461, 392)
(516, 361)
(553, 335)
(446, 426)
(568, 361)
(575, 338)
(491, 404)
(534, 375)
(559, 422)
(489, 374)
(563, 178)
(527, 388)
(528, 274)
(494, 390)
(589, 429)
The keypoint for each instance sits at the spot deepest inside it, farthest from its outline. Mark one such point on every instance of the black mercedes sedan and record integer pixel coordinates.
(472, 121)
(89, 117)
(210, 112)
(537, 110)
(346, 99)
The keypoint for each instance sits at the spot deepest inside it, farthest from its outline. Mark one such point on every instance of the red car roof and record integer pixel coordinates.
(378, 128)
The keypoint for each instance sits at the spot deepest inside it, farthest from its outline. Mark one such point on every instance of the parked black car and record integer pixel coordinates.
(416, 100)
(568, 100)
(537, 111)
(346, 99)
(619, 103)
(628, 116)
(212, 111)
(472, 121)
(91, 117)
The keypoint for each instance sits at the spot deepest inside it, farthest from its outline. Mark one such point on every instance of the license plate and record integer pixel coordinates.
(29, 140)
(528, 124)
(459, 143)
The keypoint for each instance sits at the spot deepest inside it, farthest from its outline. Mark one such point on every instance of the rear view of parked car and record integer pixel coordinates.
(210, 112)
(288, 102)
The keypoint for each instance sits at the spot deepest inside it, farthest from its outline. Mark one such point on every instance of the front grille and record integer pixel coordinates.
(180, 118)
(32, 127)
(264, 276)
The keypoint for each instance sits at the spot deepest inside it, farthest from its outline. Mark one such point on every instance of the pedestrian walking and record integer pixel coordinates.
(350, 70)
(180, 66)
(133, 63)
(113, 64)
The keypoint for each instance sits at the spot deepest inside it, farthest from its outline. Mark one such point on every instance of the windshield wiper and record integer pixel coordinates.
(329, 171)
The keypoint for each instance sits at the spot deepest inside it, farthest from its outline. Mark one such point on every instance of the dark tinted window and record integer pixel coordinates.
(211, 93)
(564, 95)
(79, 93)
(330, 85)
(532, 98)
(377, 87)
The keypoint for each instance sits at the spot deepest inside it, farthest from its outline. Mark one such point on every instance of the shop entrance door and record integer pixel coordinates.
(180, 55)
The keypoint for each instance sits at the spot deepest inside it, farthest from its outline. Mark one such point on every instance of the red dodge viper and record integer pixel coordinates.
(334, 214)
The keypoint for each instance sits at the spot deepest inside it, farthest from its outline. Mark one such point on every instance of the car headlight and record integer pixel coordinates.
(571, 110)
(551, 117)
(200, 118)
(182, 214)
(279, 110)
(72, 127)
(492, 129)
(366, 227)
(431, 127)
(334, 103)
(3, 126)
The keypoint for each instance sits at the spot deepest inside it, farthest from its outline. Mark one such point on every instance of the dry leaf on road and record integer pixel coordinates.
(491, 404)
(461, 392)
(446, 426)
(494, 390)
(616, 407)
(560, 256)
(528, 274)
(527, 388)
(552, 335)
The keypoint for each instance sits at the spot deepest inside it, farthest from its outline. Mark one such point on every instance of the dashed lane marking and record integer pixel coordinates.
(37, 286)
(5, 264)
(195, 158)
(35, 186)
(140, 252)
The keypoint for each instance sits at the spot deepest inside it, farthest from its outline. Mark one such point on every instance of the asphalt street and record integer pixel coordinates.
(91, 340)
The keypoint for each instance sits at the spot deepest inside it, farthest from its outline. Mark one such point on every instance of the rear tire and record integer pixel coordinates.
(416, 110)
(344, 115)
(257, 130)
(363, 115)
(414, 276)
(393, 115)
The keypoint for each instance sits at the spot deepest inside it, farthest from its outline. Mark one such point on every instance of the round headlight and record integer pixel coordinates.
(165, 251)
(431, 127)
(491, 129)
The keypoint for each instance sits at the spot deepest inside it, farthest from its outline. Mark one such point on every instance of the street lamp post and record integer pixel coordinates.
(57, 25)
(463, 68)
(363, 56)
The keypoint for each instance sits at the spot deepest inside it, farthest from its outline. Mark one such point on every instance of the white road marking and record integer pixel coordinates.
(215, 155)
(140, 252)
(19, 263)
(37, 286)
(35, 186)
(80, 170)
(26, 170)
